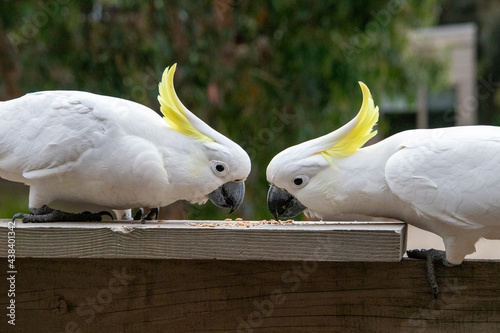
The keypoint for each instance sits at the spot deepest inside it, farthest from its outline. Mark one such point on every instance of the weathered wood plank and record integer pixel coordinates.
(228, 240)
(130, 295)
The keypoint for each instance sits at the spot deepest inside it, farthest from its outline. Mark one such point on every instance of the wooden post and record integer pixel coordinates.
(458, 42)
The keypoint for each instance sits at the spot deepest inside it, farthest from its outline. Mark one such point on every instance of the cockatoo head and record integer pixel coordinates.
(217, 166)
(301, 176)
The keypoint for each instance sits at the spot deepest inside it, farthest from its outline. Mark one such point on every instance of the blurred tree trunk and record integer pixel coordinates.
(9, 68)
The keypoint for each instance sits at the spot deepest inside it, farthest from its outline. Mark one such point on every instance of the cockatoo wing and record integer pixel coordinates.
(453, 178)
(42, 136)
(50, 134)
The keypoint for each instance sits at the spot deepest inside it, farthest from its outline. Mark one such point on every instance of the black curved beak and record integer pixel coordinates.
(229, 195)
(282, 204)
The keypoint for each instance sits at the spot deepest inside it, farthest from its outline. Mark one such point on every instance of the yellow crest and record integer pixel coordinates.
(173, 110)
(362, 131)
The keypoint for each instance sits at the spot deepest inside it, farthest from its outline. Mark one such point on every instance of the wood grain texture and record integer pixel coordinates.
(132, 295)
(228, 240)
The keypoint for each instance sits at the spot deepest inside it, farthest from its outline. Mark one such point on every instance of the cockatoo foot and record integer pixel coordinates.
(152, 215)
(431, 256)
(47, 214)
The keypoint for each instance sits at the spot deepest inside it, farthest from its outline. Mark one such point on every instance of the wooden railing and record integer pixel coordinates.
(236, 276)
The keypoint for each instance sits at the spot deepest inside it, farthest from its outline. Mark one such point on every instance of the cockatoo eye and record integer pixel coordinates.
(299, 181)
(220, 168)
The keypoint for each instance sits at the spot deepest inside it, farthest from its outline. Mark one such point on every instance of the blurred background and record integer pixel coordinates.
(267, 74)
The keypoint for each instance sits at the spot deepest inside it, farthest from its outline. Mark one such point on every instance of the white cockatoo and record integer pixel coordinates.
(80, 147)
(442, 180)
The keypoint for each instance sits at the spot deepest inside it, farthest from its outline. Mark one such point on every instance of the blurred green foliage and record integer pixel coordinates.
(268, 74)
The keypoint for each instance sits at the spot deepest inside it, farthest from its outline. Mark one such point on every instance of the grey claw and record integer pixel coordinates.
(151, 215)
(18, 215)
(138, 215)
(47, 214)
(430, 256)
